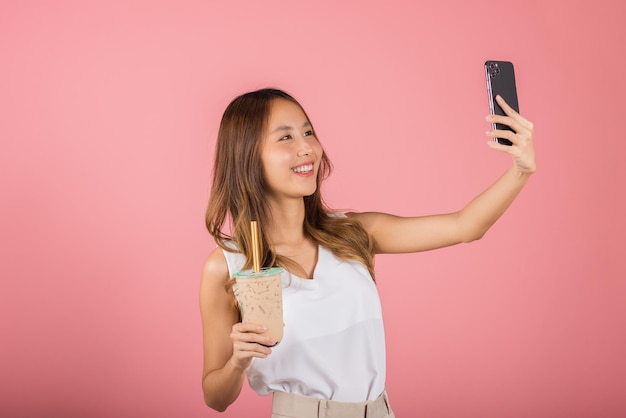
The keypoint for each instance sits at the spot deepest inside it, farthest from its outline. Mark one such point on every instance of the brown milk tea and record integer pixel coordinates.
(260, 297)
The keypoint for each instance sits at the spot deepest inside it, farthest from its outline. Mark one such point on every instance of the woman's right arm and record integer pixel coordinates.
(229, 345)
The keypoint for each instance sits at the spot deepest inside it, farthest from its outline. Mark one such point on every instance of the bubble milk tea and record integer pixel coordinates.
(260, 297)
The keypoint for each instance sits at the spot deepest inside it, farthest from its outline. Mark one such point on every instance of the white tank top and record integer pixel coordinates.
(333, 345)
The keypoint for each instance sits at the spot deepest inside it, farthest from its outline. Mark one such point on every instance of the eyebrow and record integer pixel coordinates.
(307, 124)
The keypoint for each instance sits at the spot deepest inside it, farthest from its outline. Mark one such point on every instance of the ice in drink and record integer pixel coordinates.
(260, 297)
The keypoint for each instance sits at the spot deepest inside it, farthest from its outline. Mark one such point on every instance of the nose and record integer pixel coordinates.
(305, 148)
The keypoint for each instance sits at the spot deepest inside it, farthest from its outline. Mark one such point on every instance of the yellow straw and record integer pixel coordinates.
(255, 246)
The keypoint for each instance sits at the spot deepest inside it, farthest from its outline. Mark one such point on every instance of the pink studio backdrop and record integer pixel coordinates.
(108, 116)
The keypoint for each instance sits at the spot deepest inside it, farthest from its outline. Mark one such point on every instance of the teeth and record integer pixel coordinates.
(303, 168)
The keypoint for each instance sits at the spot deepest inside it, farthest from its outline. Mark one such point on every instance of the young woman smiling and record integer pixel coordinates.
(269, 165)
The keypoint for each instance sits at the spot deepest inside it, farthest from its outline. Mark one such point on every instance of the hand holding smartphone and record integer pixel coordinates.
(500, 77)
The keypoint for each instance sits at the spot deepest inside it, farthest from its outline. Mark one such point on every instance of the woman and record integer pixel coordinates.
(268, 167)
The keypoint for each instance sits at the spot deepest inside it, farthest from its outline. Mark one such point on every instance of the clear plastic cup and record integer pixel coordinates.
(260, 297)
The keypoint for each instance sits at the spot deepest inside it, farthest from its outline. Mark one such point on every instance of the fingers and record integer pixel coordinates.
(248, 343)
(521, 137)
(500, 147)
(513, 114)
(504, 134)
(252, 333)
(522, 127)
(508, 121)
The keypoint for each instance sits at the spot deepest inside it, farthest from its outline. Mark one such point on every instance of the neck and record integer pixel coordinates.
(287, 224)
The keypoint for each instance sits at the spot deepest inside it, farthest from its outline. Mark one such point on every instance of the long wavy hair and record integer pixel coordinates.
(239, 189)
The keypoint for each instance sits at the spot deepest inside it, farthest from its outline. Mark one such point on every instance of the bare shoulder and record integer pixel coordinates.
(215, 277)
(215, 267)
(216, 295)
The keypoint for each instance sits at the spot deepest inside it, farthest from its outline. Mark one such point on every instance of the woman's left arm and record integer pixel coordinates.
(394, 234)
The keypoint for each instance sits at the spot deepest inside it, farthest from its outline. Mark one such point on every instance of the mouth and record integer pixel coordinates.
(303, 169)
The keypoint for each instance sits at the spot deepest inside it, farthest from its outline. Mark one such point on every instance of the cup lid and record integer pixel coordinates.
(265, 271)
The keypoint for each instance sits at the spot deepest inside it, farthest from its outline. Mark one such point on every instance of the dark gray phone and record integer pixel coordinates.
(501, 80)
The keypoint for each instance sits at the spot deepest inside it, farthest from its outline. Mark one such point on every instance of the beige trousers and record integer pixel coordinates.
(288, 405)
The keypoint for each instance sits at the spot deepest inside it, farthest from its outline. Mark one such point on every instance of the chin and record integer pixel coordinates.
(309, 192)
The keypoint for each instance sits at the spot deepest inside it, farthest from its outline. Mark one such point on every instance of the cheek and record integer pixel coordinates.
(319, 151)
(275, 160)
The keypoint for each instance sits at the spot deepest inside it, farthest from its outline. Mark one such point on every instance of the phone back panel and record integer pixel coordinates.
(500, 77)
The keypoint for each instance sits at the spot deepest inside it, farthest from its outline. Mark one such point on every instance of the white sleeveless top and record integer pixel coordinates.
(333, 345)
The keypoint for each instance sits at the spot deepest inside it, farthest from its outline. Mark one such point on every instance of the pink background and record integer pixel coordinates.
(108, 115)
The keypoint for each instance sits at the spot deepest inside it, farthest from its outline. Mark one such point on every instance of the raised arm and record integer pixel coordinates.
(393, 234)
(229, 345)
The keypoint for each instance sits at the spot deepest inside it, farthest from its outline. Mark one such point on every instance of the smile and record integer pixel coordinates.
(303, 168)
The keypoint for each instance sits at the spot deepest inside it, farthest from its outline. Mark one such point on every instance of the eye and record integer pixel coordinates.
(285, 138)
(309, 133)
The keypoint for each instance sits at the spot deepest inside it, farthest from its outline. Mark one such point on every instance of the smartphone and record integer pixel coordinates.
(501, 80)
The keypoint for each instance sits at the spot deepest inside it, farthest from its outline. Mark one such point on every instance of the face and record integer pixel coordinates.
(290, 152)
